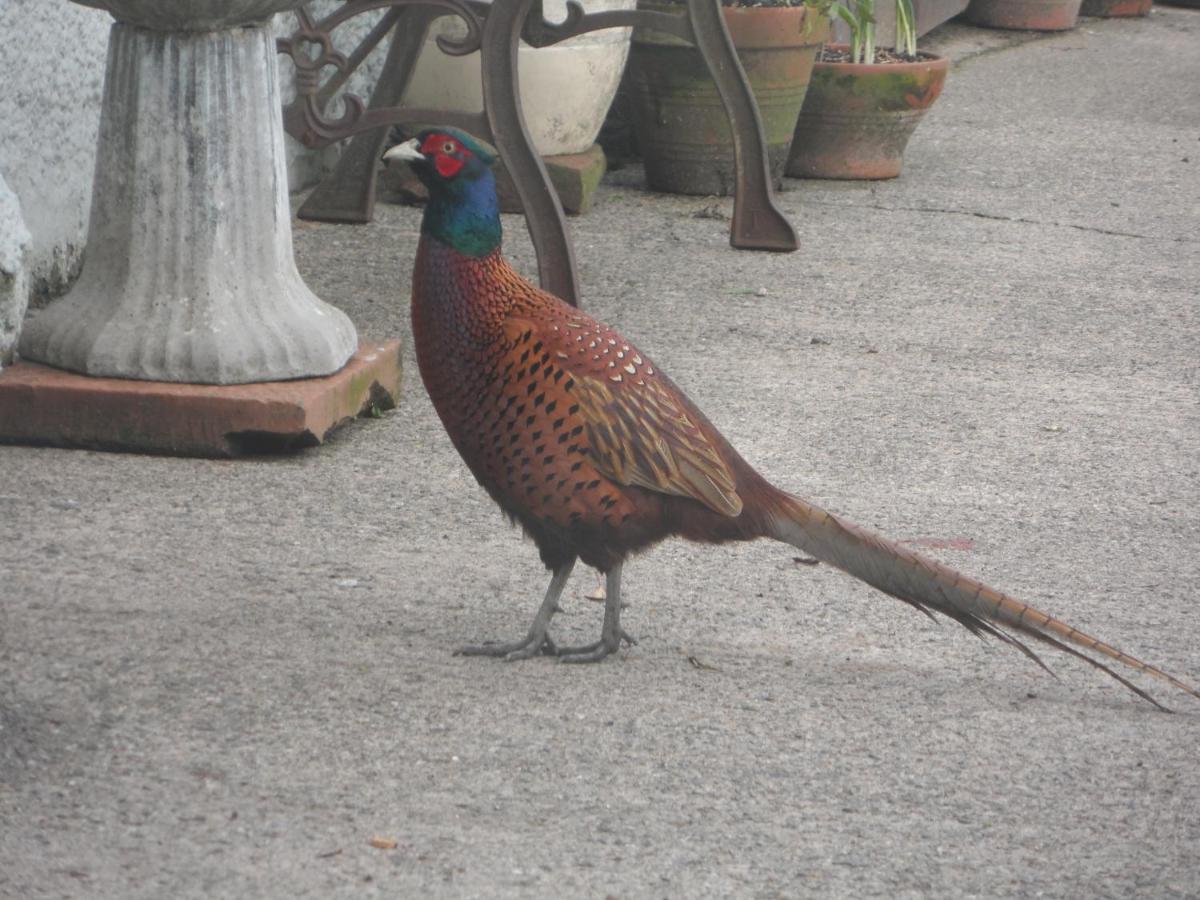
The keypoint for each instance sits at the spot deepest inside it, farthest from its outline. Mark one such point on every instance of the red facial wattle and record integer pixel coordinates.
(448, 155)
(447, 166)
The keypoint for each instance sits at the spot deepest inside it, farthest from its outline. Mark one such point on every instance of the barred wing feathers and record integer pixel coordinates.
(640, 434)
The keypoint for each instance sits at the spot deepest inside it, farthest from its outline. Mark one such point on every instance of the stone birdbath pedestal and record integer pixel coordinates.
(189, 277)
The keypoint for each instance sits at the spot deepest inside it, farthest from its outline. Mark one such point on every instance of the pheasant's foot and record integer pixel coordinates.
(594, 652)
(536, 641)
(611, 634)
(532, 645)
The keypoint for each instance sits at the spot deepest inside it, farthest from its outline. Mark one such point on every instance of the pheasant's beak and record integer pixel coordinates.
(409, 151)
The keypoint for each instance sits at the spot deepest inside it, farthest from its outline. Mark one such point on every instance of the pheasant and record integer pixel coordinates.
(595, 452)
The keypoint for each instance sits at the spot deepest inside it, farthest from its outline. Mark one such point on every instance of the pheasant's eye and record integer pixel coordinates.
(448, 147)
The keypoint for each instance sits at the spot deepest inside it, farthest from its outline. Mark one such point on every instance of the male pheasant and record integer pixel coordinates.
(579, 437)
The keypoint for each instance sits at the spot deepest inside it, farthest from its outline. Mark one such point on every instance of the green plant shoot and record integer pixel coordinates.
(860, 19)
(906, 28)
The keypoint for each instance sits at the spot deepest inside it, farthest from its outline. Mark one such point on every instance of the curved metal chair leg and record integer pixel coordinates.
(501, 101)
(757, 222)
(347, 194)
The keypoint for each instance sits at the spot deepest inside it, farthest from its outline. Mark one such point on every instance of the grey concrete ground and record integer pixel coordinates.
(227, 678)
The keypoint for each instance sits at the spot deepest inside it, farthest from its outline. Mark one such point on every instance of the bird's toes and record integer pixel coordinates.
(492, 648)
(527, 647)
(591, 652)
(545, 647)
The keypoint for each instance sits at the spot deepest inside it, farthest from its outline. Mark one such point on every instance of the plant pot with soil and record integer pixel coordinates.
(864, 103)
(679, 122)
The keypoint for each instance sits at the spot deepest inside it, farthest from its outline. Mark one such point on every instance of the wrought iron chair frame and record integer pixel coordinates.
(348, 193)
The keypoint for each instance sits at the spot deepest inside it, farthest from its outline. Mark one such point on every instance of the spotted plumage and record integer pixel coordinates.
(581, 440)
(561, 436)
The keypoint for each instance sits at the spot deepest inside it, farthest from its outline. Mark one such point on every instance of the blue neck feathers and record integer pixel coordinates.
(465, 214)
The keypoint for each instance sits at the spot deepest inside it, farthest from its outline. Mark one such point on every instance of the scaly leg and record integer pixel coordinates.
(536, 641)
(611, 634)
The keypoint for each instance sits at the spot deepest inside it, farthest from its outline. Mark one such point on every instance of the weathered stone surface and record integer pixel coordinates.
(575, 177)
(190, 275)
(54, 57)
(53, 54)
(191, 15)
(14, 276)
(47, 406)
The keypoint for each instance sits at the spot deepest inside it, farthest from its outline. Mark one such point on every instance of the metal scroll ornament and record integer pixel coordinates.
(311, 50)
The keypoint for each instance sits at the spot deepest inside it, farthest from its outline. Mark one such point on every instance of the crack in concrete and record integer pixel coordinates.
(1015, 219)
(964, 44)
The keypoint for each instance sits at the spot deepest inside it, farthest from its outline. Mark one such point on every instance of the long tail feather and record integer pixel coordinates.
(929, 585)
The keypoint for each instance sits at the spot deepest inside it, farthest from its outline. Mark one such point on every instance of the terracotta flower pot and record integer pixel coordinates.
(680, 125)
(1115, 9)
(857, 119)
(1024, 15)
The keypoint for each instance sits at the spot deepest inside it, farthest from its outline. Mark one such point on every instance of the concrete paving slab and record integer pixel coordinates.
(226, 679)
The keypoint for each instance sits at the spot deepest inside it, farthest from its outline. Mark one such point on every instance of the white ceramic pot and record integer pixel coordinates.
(566, 89)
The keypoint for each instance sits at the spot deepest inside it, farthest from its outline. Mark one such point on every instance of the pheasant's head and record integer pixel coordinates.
(457, 169)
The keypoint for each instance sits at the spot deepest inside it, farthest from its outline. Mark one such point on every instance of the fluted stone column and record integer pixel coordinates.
(189, 274)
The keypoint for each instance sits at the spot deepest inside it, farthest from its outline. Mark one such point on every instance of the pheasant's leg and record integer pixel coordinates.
(611, 634)
(536, 641)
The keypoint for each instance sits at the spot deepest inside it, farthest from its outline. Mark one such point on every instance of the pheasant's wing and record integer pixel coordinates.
(640, 434)
(640, 429)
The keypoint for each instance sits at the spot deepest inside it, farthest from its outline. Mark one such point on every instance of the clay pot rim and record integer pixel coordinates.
(782, 12)
(933, 63)
(750, 27)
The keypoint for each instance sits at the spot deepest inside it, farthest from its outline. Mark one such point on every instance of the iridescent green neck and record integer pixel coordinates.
(465, 214)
